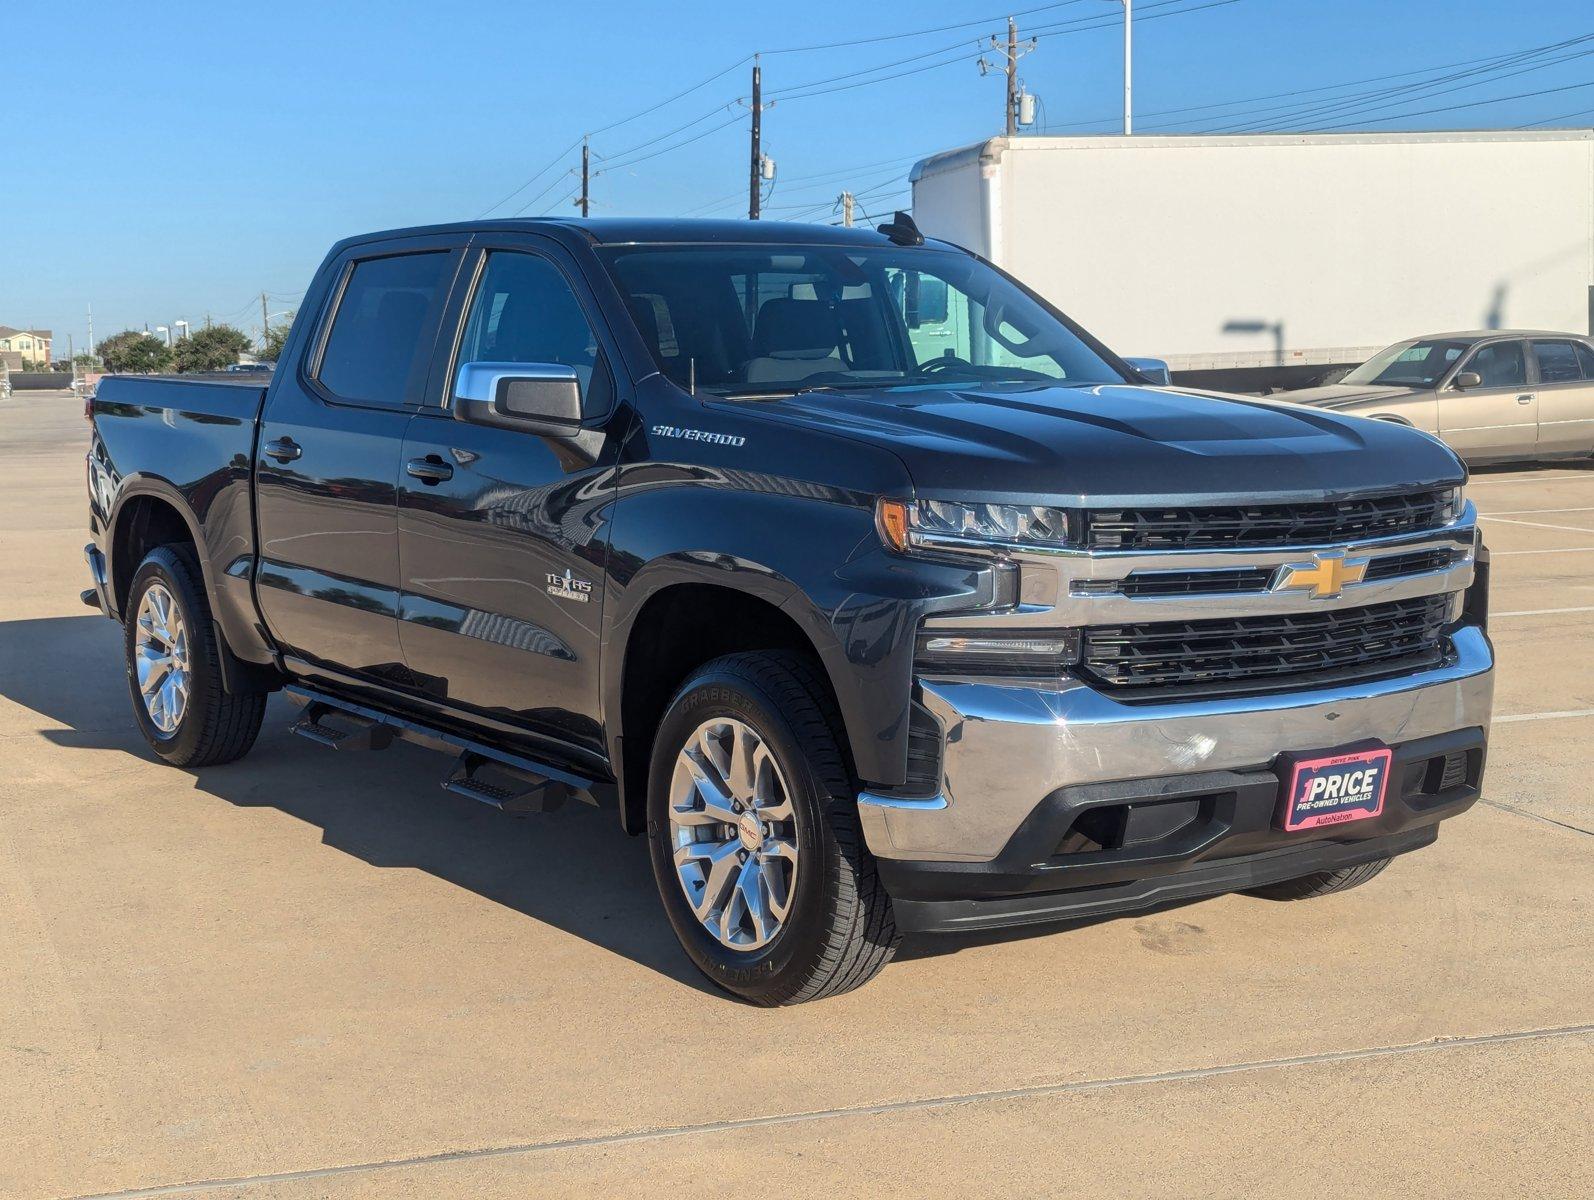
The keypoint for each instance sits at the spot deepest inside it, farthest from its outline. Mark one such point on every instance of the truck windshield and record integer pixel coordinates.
(758, 320)
(1409, 364)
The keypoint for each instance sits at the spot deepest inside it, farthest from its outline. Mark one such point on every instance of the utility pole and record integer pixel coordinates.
(585, 175)
(755, 181)
(1129, 20)
(1012, 51)
(846, 209)
(1012, 76)
(265, 322)
(91, 329)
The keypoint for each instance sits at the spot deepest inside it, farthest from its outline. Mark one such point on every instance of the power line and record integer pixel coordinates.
(1571, 87)
(1327, 87)
(1376, 100)
(1582, 112)
(892, 37)
(553, 163)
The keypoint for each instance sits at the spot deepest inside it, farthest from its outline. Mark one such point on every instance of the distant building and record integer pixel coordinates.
(18, 346)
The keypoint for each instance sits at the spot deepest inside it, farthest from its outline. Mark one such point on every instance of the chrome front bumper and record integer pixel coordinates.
(1008, 747)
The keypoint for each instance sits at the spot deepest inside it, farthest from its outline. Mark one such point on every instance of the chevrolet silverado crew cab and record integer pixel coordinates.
(874, 592)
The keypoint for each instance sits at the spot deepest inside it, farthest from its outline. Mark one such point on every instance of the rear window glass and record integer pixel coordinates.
(380, 343)
(1557, 362)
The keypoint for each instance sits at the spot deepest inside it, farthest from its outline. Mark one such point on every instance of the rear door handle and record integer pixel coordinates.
(284, 449)
(429, 470)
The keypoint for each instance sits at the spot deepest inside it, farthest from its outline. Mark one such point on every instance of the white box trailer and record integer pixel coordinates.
(1252, 261)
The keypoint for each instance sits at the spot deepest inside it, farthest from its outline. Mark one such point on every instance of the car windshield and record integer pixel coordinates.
(755, 320)
(1409, 364)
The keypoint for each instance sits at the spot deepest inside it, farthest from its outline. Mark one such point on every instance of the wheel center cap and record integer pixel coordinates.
(751, 830)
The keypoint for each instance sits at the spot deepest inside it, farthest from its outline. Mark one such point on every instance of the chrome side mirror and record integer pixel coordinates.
(1468, 379)
(541, 398)
(1153, 369)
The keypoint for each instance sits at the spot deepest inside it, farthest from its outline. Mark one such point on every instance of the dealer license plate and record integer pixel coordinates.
(1335, 789)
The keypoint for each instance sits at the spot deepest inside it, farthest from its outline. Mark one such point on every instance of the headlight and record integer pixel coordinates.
(956, 525)
(1451, 504)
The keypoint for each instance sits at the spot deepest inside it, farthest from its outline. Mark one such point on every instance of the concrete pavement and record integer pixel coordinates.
(306, 974)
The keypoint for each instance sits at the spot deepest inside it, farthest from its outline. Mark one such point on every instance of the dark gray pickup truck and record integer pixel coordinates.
(872, 590)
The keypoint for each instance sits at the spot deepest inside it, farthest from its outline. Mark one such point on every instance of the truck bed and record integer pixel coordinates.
(182, 447)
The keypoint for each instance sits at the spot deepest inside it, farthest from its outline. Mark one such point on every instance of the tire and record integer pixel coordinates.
(1320, 883)
(213, 725)
(838, 930)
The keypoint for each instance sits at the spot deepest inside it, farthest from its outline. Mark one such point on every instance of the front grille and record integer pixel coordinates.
(1393, 566)
(1262, 653)
(1196, 583)
(1265, 524)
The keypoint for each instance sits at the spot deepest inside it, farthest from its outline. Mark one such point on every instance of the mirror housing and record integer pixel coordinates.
(1153, 369)
(540, 398)
(1467, 379)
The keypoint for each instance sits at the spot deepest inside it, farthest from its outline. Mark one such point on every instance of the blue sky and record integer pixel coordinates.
(185, 158)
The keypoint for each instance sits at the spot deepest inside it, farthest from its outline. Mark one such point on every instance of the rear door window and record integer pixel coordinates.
(379, 347)
(1558, 362)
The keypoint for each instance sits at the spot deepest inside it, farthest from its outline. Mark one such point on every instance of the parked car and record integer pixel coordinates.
(1491, 396)
(673, 516)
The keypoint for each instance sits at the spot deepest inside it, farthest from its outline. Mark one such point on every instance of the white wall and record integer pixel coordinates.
(1349, 241)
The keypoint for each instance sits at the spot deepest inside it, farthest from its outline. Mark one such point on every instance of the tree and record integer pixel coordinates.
(211, 349)
(135, 353)
(271, 348)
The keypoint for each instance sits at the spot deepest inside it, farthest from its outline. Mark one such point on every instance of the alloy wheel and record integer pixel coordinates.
(733, 834)
(161, 659)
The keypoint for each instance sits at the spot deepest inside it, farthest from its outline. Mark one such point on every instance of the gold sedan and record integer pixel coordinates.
(1492, 396)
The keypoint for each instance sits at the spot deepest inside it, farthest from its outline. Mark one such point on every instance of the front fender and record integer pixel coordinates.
(814, 554)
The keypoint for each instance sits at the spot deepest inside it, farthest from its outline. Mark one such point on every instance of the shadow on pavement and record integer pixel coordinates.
(573, 869)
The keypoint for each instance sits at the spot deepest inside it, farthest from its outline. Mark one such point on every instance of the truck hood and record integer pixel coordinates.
(1338, 395)
(1120, 444)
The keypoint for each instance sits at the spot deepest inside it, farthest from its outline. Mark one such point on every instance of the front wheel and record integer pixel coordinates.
(754, 835)
(1320, 883)
(174, 667)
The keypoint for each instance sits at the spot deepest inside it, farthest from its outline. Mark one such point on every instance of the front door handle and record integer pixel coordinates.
(1528, 399)
(429, 470)
(284, 449)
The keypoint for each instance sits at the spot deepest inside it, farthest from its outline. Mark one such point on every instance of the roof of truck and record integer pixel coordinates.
(643, 230)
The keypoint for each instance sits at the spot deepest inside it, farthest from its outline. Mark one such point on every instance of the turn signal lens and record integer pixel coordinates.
(891, 519)
(1044, 652)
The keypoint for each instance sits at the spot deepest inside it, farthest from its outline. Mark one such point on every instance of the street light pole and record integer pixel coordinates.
(1129, 107)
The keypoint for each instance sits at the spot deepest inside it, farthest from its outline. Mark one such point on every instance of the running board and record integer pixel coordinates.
(504, 780)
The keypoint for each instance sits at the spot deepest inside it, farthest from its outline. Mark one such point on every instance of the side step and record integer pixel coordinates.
(505, 780)
(510, 788)
(352, 731)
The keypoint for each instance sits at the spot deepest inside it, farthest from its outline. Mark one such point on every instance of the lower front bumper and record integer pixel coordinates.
(1101, 849)
(1140, 895)
(1006, 747)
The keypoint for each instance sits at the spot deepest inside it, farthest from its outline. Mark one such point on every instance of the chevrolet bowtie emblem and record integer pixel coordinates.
(1326, 576)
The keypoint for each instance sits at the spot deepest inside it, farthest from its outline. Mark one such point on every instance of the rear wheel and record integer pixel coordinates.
(174, 667)
(1320, 883)
(754, 834)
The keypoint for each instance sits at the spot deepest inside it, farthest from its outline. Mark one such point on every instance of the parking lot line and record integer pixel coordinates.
(1565, 713)
(1541, 612)
(1560, 550)
(867, 1110)
(1535, 524)
(1529, 480)
(1525, 512)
